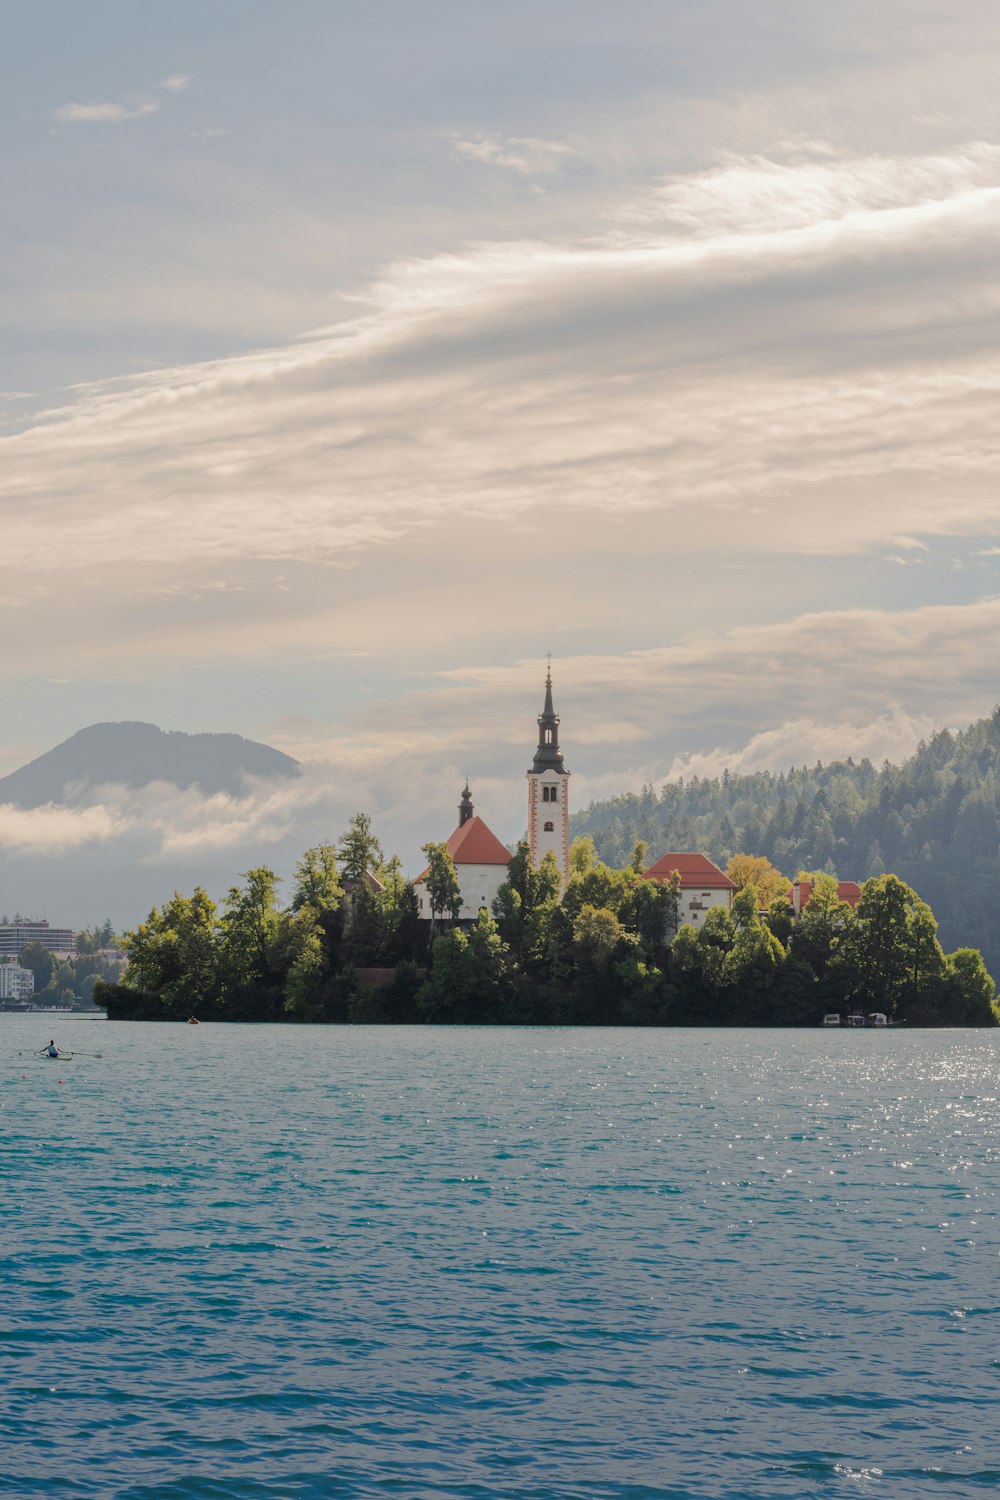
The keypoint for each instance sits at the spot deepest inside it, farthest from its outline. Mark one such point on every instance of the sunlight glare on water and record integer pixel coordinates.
(428, 1262)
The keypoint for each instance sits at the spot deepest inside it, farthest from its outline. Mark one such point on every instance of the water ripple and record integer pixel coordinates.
(484, 1263)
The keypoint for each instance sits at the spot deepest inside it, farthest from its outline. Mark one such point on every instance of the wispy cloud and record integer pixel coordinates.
(527, 154)
(721, 377)
(108, 112)
(105, 113)
(892, 735)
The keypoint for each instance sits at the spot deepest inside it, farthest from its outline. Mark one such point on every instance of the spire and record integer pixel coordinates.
(465, 806)
(548, 756)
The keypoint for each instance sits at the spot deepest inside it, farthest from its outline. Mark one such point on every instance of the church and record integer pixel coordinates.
(481, 859)
(479, 856)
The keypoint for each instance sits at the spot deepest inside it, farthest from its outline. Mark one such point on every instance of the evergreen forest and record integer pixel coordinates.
(934, 821)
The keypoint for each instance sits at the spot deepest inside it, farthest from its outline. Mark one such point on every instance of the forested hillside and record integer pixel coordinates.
(935, 821)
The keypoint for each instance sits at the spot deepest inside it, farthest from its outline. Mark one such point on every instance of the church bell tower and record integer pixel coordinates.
(548, 791)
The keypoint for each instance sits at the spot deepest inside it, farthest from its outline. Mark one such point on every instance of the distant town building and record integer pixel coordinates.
(16, 983)
(703, 885)
(15, 937)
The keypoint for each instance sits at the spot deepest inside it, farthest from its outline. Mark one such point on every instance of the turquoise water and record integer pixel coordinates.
(338, 1262)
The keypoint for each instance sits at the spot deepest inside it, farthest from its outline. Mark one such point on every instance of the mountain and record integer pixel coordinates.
(934, 821)
(134, 754)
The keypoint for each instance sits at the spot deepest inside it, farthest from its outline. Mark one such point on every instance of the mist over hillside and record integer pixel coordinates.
(934, 821)
(133, 754)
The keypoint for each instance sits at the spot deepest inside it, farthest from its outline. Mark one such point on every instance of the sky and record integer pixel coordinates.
(359, 355)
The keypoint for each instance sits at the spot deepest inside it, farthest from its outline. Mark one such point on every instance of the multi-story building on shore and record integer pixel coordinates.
(16, 983)
(15, 937)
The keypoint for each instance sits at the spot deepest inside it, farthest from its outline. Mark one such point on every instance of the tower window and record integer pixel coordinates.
(549, 828)
(550, 794)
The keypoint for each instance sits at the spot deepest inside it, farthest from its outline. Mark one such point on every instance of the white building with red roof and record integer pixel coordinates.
(480, 862)
(801, 891)
(703, 885)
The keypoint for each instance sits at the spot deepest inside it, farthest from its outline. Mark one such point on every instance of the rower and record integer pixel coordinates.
(51, 1050)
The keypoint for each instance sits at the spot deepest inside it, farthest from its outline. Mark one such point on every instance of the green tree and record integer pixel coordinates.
(779, 919)
(523, 902)
(359, 851)
(441, 882)
(889, 956)
(39, 960)
(640, 856)
(303, 993)
(175, 953)
(255, 950)
(649, 910)
(467, 982)
(975, 1000)
(582, 855)
(317, 883)
(360, 856)
(820, 928)
(752, 964)
(597, 937)
(400, 931)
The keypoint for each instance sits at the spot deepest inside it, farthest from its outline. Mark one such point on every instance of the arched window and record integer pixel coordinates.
(550, 828)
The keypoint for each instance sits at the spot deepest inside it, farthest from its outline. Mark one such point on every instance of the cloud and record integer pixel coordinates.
(821, 385)
(892, 736)
(105, 113)
(108, 113)
(526, 154)
(55, 830)
(811, 187)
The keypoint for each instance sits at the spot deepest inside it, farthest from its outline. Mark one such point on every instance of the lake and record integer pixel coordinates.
(427, 1262)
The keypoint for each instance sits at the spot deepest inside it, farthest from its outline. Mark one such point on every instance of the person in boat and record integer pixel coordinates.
(52, 1050)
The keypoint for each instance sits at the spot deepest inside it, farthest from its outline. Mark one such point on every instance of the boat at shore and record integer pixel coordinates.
(875, 1020)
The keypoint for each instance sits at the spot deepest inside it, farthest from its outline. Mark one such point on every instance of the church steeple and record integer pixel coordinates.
(465, 806)
(548, 791)
(548, 756)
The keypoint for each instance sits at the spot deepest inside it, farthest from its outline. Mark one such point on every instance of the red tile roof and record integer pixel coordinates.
(847, 890)
(695, 870)
(474, 844)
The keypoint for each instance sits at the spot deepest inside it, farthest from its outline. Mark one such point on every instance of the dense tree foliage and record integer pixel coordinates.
(934, 821)
(605, 950)
(70, 981)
